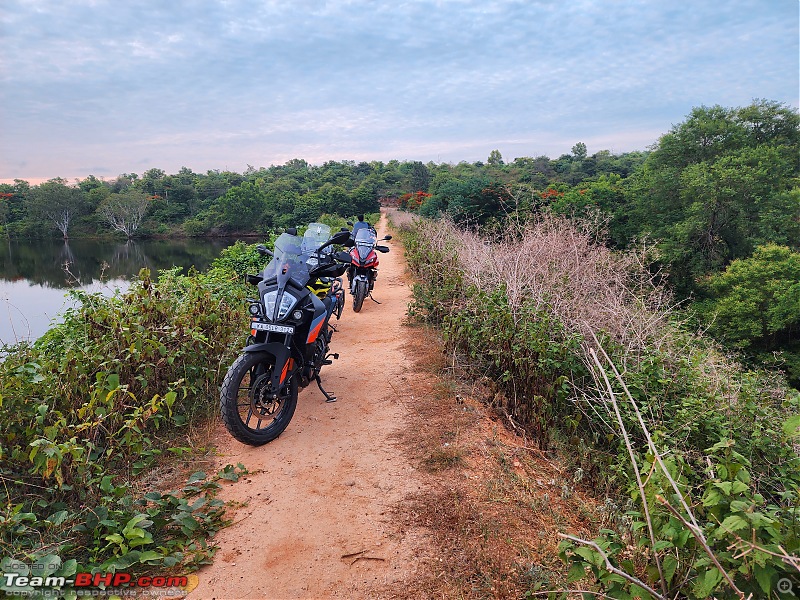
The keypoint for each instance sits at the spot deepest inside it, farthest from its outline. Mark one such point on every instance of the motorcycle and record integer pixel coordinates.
(315, 235)
(363, 270)
(290, 333)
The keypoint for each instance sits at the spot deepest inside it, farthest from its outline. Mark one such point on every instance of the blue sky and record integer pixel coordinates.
(106, 87)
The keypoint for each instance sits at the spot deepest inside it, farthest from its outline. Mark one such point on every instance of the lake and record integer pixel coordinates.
(35, 275)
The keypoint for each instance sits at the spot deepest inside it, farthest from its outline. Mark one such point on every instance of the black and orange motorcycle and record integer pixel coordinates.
(363, 269)
(290, 332)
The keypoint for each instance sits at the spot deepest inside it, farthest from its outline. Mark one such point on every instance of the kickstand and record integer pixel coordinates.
(328, 397)
(373, 299)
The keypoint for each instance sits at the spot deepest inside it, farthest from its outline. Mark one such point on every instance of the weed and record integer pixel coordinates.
(93, 409)
(701, 460)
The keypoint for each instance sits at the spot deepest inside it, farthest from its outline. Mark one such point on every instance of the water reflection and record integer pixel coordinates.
(27, 309)
(35, 275)
(55, 263)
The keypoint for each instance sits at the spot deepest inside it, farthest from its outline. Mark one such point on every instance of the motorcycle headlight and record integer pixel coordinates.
(287, 303)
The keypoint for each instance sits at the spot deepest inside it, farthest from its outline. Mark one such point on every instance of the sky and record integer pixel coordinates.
(106, 87)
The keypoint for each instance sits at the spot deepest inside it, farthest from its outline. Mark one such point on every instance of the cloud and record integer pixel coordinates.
(116, 83)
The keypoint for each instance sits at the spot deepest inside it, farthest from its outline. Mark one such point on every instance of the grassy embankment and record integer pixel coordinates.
(104, 418)
(590, 357)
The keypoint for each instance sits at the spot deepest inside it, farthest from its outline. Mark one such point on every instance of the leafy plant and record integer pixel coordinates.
(98, 402)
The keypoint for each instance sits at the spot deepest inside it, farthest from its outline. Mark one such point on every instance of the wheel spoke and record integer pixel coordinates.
(250, 412)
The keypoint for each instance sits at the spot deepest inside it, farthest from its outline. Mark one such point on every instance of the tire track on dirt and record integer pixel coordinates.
(318, 520)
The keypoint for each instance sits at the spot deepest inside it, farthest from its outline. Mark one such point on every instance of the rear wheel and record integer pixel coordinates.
(250, 414)
(359, 295)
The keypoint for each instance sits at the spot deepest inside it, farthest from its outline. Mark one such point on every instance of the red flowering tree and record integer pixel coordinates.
(412, 202)
(550, 194)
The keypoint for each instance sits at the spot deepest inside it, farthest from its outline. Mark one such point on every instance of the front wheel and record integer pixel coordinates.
(249, 413)
(359, 295)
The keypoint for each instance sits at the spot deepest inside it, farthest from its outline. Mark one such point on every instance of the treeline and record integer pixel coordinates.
(260, 200)
(188, 203)
(717, 197)
(556, 302)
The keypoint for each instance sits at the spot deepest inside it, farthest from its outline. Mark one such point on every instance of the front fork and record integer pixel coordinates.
(363, 276)
(284, 363)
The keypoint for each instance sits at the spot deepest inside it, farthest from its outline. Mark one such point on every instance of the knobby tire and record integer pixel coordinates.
(249, 417)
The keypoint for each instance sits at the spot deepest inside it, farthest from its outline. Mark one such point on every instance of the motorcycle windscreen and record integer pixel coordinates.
(365, 242)
(288, 261)
(316, 235)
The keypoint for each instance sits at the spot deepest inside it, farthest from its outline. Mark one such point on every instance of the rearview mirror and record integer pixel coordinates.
(383, 249)
(343, 257)
(387, 237)
(340, 237)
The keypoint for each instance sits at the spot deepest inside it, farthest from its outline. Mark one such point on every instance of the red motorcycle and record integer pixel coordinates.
(363, 270)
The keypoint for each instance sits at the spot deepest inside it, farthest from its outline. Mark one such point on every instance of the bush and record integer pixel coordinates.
(97, 401)
(716, 443)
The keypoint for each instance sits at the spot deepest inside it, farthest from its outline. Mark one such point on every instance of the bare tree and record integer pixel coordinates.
(125, 211)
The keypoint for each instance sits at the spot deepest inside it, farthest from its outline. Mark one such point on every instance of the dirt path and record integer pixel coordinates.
(317, 521)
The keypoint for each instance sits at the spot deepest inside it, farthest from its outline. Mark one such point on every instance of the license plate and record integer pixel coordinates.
(259, 326)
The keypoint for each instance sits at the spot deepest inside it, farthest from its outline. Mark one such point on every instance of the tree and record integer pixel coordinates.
(475, 200)
(125, 211)
(153, 181)
(57, 203)
(416, 176)
(4, 210)
(13, 202)
(91, 183)
(579, 151)
(242, 206)
(123, 182)
(757, 298)
(717, 185)
(495, 158)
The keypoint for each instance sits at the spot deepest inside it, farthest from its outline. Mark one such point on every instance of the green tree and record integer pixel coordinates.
(416, 176)
(757, 299)
(56, 202)
(13, 201)
(717, 185)
(475, 200)
(495, 158)
(91, 183)
(365, 197)
(243, 207)
(579, 151)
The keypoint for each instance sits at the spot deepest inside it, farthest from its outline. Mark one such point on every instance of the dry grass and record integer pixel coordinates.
(496, 505)
(399, 218)
(561, 269)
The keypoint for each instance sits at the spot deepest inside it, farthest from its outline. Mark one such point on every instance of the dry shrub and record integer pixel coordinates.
(559, 268)
(400, 218)
(557, 284)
